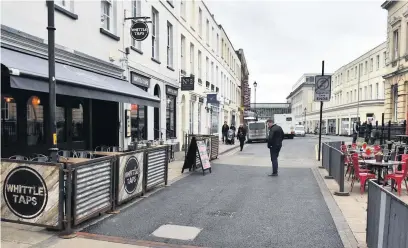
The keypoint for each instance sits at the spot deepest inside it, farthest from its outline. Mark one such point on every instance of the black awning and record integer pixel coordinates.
(72, 81)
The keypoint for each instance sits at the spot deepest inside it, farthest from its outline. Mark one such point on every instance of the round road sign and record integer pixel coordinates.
(139, 31)
(323, 83)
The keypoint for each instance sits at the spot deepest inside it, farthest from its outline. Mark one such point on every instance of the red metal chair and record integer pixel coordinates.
(354, 145)
(377, 148)
(398, 178)
(360, 175)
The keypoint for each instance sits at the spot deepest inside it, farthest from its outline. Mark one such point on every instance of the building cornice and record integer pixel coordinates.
(395, 73)
(405, 14)
(377, 102)
(388, 4)
(17, 40)
(395, 20)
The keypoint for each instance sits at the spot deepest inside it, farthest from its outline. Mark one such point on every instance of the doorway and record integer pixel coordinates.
(156, 118)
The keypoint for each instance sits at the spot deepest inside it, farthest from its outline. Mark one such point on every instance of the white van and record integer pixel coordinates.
(257, 131)
(300, 130)
(287, 123)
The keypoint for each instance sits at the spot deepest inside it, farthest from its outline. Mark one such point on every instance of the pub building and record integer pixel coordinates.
(88, 103)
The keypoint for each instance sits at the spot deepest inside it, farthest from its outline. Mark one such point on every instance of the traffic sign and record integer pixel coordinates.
(322, 88)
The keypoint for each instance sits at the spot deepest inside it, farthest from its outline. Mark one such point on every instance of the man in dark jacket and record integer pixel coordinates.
(275, 139)
(224, 131)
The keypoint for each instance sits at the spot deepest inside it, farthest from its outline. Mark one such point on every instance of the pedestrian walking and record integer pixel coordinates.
(224, 131)
(356, 128)
(275, 139)
(241, 136)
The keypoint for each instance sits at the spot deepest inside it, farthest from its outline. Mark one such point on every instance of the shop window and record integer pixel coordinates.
(78, 123)
(61, 123)
(35, 121)
(170, 117)
(138, 122)
(8, 120)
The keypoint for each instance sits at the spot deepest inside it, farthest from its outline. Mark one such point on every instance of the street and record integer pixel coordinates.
(238, 205)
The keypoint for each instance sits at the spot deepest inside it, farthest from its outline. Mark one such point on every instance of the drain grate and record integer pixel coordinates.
(222, 214)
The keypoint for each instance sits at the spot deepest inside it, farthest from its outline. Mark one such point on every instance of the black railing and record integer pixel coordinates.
(379, 133)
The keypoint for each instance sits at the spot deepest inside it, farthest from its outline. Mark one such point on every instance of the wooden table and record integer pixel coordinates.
(73, 160)
(101, 153)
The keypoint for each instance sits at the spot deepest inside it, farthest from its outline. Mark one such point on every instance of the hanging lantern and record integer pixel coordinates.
(35, 101)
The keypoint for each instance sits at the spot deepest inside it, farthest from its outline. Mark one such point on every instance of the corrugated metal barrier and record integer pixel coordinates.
(387, 219)
(156, 167)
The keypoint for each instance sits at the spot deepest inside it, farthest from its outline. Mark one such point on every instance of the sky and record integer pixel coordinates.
(284, 39)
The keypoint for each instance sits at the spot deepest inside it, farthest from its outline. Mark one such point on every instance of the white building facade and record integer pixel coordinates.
(208, 55)
(357, 91)
(184, 39)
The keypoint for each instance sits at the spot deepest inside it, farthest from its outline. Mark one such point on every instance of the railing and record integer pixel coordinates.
(333, 162)
(380, 133)
(387, 218)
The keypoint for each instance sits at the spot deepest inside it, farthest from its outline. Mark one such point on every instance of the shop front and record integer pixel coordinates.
(171, 114)
(139, 115)
(87, 106)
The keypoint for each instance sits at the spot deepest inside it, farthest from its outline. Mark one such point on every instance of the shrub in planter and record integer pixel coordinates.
(379, 157)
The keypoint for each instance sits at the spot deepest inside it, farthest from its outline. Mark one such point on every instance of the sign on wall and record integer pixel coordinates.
(322, 88)
(139, 30)
(171, 91)
(139, 80)
(31, 193)
(187, 83)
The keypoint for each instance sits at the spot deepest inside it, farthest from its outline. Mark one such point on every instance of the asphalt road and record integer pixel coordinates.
(238, 206)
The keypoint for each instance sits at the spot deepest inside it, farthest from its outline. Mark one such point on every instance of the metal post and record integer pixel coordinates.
(51, 79)
(320, 124)
(382, 129)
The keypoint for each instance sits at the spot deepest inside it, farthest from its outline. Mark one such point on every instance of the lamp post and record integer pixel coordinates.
(256, 114)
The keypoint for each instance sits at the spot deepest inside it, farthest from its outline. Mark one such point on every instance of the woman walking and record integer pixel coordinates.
(241, 136)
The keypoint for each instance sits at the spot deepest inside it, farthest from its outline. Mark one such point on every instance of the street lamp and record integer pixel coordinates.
(256, 114)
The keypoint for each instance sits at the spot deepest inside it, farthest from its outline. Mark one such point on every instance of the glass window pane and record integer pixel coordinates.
(60, 120)
(8, 121)
(78, 123)
(35, 123)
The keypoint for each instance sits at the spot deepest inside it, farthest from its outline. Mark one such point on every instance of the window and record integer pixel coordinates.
(171, 116)
(383, 92)
(378, 62)
(182, 53)
(212, 73)
(191, 58)
(199, 117)
(192, 13)
(371, 64)
(360, 94)
(66, 4)
(394, 95)
(365, 68)
(60, 121)
(355, 95)
(288, 118)
(348, 75)
(183, 9)
(207, 32)
(106, 9)
(35, 122)
(385, 58)
(355, 72)
(8, 121)
(218, 44)
(78, 123)
(216, 76)
(191, 117)
(222, 48)
(200, 22)
(138, 122)
(347, 97)
(213, 38)
(361, 70)
(207, 71)
(136, 13)
(155, 34)
(169, 44)
(199, 64)
(370, 92)
(395, 50)
(377, 91)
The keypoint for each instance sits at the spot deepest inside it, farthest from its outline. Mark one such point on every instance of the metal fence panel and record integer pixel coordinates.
(326, 156)
(92, 183)
(337, 167)
(156, 167)
(129, 175)
(215, 144)
(32, 193)
(387, 219)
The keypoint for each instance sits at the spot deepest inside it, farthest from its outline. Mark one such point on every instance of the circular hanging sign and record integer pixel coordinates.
(25, 192)
(131, 175)
(139, 31)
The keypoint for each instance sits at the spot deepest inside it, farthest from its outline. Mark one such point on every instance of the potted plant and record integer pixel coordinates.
(368, 151)
(379, 156)
(364, 145)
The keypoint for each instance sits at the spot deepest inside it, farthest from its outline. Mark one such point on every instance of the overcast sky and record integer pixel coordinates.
(284, 39)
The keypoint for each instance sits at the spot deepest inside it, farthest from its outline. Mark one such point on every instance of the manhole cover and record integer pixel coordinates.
(222, 214)
(177, 232)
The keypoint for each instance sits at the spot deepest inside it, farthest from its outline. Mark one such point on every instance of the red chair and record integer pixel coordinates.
(354, 145)
(399, 177)
(404, 158)
(377, 148)
(360, 175)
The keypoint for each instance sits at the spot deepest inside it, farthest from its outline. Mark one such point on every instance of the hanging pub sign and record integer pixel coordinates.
(197, 156)
(139, 30)
(187, 83)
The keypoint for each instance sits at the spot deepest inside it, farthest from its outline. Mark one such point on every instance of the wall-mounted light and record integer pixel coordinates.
(8, 99)
(35, 100)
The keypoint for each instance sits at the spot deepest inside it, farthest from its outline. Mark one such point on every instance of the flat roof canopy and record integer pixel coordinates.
(72, 81)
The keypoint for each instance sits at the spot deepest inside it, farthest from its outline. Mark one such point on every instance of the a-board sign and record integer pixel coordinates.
(197, 156)
(322, 88)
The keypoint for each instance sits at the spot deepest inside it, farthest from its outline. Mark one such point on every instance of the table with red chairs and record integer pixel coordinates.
(380, 166)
